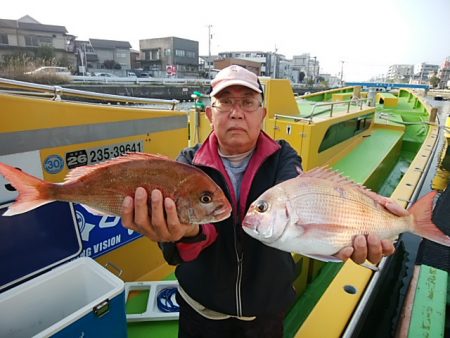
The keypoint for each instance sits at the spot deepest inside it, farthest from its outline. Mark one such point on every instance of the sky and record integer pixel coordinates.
(367, 36)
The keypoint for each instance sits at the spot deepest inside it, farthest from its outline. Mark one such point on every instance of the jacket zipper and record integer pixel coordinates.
(239, 258)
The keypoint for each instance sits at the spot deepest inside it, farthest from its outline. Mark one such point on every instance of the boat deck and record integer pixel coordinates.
(136, 304)
(381, 144)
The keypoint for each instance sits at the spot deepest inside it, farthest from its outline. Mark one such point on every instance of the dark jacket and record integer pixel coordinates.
(236, 274)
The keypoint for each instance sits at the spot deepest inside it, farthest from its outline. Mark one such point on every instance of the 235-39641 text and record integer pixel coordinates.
(95, 155)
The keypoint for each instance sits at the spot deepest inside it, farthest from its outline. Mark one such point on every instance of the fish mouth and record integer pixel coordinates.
(248, 225)
(222, 212)
(251, 226)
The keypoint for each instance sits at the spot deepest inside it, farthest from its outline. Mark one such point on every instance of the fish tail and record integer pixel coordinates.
(422, 211)
(33, 192)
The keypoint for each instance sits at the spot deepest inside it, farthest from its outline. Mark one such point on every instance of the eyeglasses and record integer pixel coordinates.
(247, 104)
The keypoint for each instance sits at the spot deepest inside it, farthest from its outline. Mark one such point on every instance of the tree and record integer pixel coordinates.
(434, 81)
(111, 64)
(45, 53)
(301, 76)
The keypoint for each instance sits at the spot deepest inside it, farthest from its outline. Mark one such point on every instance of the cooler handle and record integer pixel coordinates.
(118, 271)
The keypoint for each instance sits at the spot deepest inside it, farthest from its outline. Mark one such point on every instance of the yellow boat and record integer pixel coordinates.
(383, 141)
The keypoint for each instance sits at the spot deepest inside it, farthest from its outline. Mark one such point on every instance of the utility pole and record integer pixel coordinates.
(314, 72)
(275, 62)
(209, 51)
(342, 72)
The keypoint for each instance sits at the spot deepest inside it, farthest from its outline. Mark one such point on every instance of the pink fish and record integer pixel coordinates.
(103, 186)
(320, 212)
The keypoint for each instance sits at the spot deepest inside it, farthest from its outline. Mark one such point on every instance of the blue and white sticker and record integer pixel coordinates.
(101, 234)
(53, 164)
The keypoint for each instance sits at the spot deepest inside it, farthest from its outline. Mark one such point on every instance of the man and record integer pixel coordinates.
(232, 285)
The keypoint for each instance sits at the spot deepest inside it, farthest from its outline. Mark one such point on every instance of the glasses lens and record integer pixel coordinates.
(247, 104)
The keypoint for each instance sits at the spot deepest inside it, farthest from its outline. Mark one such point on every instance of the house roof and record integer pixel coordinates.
(109, 44)
(16, 24)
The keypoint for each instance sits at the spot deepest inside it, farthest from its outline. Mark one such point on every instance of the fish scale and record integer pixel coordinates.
(320, 212)
(103, 187)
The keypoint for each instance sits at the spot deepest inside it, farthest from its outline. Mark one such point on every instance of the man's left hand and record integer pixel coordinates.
(370, 248)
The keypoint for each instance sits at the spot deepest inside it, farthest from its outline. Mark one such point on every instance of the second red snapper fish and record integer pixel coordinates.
(102, 187)
(319, 212)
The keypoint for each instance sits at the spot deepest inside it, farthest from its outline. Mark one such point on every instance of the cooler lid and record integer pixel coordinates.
(36, 241)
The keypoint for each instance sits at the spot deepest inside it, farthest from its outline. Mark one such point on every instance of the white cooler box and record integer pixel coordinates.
(75, 299)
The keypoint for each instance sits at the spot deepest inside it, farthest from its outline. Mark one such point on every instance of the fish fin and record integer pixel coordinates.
(331, 175)
(422, 212)
(33, 192)
(323, 258)
(326, 173)
(96, 212)
(370, 266)
(333, 259)
(78, 172)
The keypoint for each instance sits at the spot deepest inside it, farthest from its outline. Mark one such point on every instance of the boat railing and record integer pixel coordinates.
(331, 105)
(348, 103)
(56, 92)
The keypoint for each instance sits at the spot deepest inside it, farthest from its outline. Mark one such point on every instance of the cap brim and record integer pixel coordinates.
(221, 86)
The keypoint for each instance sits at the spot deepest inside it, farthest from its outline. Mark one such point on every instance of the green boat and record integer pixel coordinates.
(384, 140)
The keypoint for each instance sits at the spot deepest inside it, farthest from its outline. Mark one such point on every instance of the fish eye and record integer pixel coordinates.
(206, 198)
(262, 206)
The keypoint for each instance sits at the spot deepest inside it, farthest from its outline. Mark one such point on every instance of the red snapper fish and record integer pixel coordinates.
(319, 212)
(102, 187)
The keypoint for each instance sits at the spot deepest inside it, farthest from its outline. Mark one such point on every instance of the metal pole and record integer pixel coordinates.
(342, 71)
(209, 51)
(314, 74)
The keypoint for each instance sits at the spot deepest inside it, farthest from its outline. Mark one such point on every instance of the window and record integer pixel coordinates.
(167, 52)
(190, 54)
(45, 41)
(151, 55)
(31, 41)
(36, 41)
(180, 52)
(344, 130)
(3, 39)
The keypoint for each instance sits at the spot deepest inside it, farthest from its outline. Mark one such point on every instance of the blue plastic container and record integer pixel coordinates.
(42, 294)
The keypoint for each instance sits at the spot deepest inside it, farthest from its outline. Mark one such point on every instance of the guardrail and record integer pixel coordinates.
(137, 80)
(26, 88)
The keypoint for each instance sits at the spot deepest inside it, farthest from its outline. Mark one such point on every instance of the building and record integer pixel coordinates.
(254, 67)
(266, 59)
(170, 56)
(206, 65)
(27, 36)
(305, 68)
(135, 61)
(333, 81)
(284, 68)
(86, 56)
(400, 73)
(111, 50)
(444, 73)
(424, 71)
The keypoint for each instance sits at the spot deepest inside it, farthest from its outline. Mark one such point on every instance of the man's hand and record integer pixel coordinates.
(372, 249)
(135, 216)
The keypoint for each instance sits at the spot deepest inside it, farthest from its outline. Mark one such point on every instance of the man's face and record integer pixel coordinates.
(237, 128)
